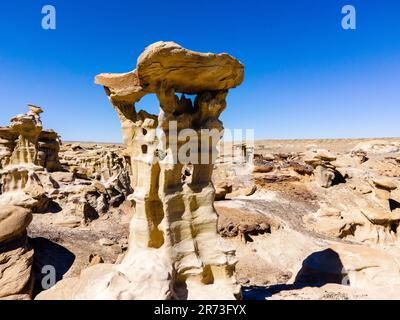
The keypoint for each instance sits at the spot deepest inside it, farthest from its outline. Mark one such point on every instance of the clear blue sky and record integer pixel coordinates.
(306, 77)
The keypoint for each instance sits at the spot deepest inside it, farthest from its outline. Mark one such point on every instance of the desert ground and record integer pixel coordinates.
(282, 223)
(298, 233)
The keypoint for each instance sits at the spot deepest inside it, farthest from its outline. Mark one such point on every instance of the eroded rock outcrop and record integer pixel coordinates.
(25, 142)
(107, 167)
(174, 249)
(28, 153)
(39, 174)
(325, 171)
(364, 208)
(16, 255)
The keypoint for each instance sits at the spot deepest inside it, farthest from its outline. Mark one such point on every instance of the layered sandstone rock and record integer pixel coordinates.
(16, 255)
(48, 149)
(367, 212)
(25, 142)
(324, 170)
(174, 249)
(22, 185)
(7, 143)
(97, 181)
(27, 128)
(186, 71)
(83, 182)
(28, 153)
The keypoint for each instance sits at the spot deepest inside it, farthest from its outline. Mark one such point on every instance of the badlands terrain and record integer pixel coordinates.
(298, 219)
(309, 219)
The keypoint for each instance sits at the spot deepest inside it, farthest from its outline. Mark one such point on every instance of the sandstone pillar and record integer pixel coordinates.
(175, 217)
(174, 249)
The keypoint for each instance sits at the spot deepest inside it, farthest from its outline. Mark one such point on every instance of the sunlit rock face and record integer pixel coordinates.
(48, 149)
(25, 142)
(174, 250)
(26, 153)
(27, 127)
(16, 255)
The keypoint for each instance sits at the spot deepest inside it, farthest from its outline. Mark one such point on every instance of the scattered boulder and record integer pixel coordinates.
(324, 176)
(222, 188)
(16, 255)
(325, 171)
(378, 147)
(383, 188)
(13, 222)
(95, 259)
(242, 192)
(233, 222)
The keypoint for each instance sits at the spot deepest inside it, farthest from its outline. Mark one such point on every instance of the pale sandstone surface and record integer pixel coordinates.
(174, 249)
(270, 233)
(351, 222)
(273, 256)
(294, 237)
(39, 176)
(186, 71)
(16, 254)
(290, 219)
(13, 222)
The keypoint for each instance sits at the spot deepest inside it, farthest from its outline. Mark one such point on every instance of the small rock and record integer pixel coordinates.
(71, 222)
(95, 259)
(384, 184)
(116, 248)
(106, 242)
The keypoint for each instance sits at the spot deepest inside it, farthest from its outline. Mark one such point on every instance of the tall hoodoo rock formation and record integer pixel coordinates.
(174, 250)
(28, 128)
(26, 151)
(35, 174)
(176, 218)
(25, 142)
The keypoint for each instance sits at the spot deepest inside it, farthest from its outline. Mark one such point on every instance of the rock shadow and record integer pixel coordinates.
(318, 269)
(394, 204)
(181, 291)
(54, 207)
(339, 179)
(49, 255)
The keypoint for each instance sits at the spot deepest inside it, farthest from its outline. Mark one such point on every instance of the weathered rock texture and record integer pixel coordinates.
(27, 153)
(16, 255)
(99, 174)
(174, 249)
(25, 142)
(38, 174)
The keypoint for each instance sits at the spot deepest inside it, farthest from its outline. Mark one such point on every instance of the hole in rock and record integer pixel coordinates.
(187, 172)
(148, 103)
(394, 204)
(144, 149)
